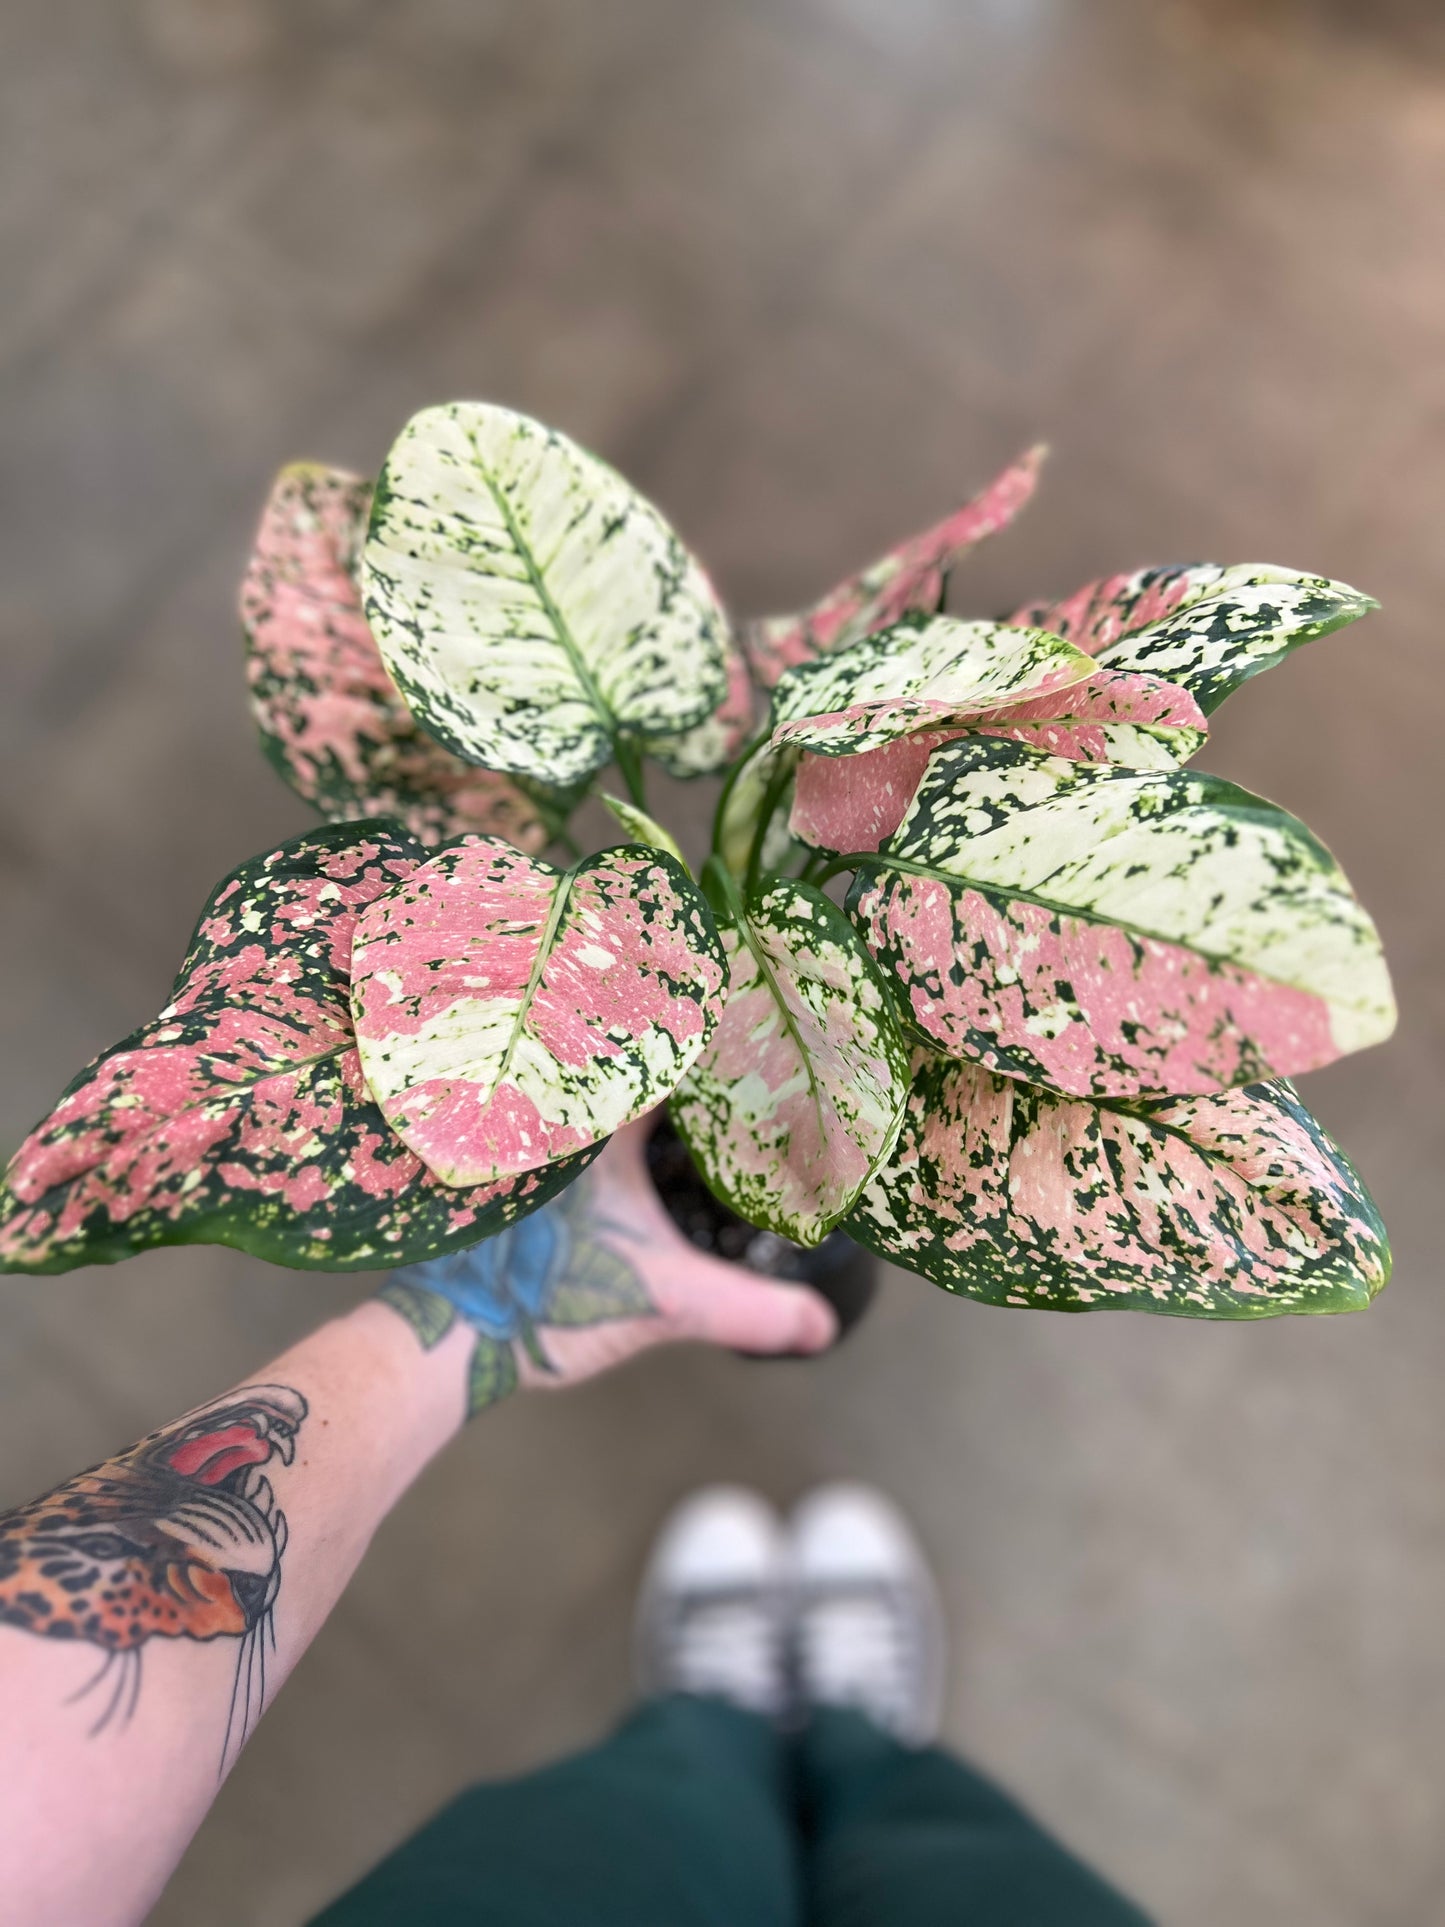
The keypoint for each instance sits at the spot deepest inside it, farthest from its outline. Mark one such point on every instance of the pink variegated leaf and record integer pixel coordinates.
(331, 719)
(240, 1115)
(856, 802)
(925, 673)
(1112, 716)
(910, 577)
(509, 1014)
(1205, 627)
(1116, 932)
(798, 1096)
(1235, 1205)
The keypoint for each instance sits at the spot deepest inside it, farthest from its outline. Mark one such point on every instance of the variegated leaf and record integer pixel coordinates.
(750, 811)
(1115, 932)
(1203, 626)
(1112, 716)
(711, 745)
(642, 828)
(240, 1115)
(331, 719)
(509, 1014)
(1235, 1205)
(855, 803)
(926, 672)
(910, 577)
(529, 603)
(1108, 718)
(798, 1096)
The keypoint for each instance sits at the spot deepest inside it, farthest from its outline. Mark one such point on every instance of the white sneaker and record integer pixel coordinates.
(712, 1616)
(868, 1626)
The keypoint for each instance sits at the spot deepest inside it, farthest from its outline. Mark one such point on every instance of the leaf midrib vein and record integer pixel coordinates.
(543, 594)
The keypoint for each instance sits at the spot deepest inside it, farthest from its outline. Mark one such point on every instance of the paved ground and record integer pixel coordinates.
(808, 270)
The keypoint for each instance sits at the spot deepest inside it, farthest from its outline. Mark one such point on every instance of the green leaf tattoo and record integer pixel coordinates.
(601, 1285)
(430, 1316)
(491, 1375)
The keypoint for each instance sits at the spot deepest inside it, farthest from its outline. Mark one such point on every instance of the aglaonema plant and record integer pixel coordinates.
(976, 967)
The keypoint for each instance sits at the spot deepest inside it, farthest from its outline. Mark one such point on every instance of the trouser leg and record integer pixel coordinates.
(899, 1837)
(681, 1819)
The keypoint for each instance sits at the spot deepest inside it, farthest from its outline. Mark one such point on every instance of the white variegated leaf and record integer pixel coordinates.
(1234, 1205)
(798, 1096)
(532, 606)
(711, 745)
(1113, 932)
(508, 1014)
(926, 672)
(1205, 627)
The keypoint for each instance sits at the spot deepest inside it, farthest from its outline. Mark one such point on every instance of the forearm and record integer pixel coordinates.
(150, 1608)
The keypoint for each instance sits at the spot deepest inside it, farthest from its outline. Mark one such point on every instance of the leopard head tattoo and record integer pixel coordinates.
(179, 1537)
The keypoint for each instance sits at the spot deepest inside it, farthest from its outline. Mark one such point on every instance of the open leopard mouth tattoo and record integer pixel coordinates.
(179, 1537)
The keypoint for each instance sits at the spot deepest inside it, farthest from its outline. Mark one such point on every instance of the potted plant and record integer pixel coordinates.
(976, 969)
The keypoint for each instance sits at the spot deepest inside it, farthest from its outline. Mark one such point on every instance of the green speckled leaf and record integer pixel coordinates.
(509, 1014)
(1205, 627)
(331, 720)
(1235, 1205)
(1113, 932)
(799, 1093)
(924, 673)
(240, 1115)
(529, 604)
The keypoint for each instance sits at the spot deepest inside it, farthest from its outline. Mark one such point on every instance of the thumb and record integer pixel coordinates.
(751, 1314)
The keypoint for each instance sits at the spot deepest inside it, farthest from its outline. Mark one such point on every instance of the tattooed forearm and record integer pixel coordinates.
(179, 1537)
(563, 1267)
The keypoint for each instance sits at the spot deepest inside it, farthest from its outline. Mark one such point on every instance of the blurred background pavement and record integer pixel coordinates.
(808, 271)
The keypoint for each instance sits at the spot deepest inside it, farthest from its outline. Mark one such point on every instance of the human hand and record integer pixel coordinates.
(586, 1281)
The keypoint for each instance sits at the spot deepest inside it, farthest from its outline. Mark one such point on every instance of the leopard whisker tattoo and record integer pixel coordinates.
(128, 1679)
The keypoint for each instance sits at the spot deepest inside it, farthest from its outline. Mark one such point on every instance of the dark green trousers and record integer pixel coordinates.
(697, 1815)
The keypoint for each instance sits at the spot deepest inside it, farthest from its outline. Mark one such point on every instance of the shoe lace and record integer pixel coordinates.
(858, 1647)
(723, 1644)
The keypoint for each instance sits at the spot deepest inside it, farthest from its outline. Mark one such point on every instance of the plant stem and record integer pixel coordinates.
(629, 764)
(745, 756)
(771, 797)
(836, 865)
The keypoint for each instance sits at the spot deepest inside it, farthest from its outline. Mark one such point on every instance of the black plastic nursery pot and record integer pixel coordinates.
(839, 1270)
